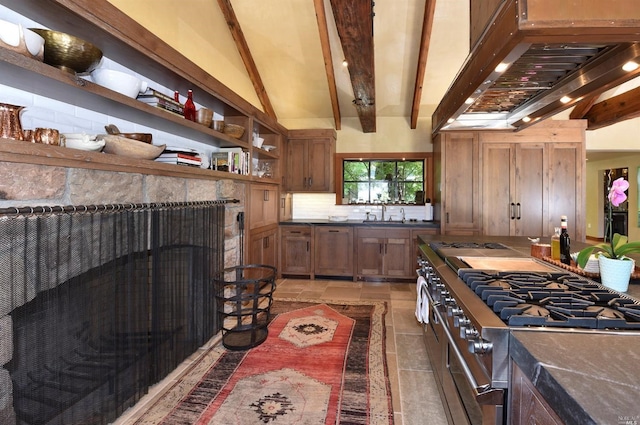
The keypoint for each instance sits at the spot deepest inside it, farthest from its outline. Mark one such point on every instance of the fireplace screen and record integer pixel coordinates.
(103, 302)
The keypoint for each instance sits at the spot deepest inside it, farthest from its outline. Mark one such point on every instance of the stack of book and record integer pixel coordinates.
(233, 160)
(159, 100)
(180, 156)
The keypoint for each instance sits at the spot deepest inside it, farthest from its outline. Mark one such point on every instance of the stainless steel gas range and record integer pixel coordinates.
(470, 295)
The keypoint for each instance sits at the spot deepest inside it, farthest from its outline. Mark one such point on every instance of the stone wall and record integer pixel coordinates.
(37, 185)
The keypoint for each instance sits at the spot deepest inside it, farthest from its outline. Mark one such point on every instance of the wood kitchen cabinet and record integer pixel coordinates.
(310, 160)
(333, 250)
(456, 177)
(384, 253)
(514, 177)
(527, 406)
(531, 178)
(296, 250)
(264, 206)
(263, 246)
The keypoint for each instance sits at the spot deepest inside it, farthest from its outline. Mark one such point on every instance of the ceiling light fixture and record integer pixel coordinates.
(345, 63)
(502, 66)
(565, 99)
(526, 119)
(469, 101)
(630, 66)
(450, 120)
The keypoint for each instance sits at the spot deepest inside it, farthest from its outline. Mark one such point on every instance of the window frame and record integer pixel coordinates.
(391, 156)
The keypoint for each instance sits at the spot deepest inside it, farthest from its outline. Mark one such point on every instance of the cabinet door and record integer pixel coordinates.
(498, 185)
(530, 190)
(513, 189)
(320, 173)
(296, 162)
(527, 406)
(566, 196)
(334, 251)
(263, 248)
(459, 184)
(398, 260)
(370, 252)
(264, 205)
(295, 250)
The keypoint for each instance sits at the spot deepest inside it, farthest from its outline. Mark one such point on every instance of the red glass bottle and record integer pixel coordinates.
(190, 107)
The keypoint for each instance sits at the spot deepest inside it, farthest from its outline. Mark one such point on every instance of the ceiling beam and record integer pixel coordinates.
(622, 107)
(323, 32)
(354, 21)
(582, 108)
(427, 26)
(247, 58)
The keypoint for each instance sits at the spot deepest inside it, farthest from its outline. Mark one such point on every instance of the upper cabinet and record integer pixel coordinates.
(129, 44)
(310, 161)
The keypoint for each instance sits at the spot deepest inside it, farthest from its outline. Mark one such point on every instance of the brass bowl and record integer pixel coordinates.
(68, 52)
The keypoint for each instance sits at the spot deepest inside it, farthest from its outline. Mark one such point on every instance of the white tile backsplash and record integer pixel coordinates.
(321, 205)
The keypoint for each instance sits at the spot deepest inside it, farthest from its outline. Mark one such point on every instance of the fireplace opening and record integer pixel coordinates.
(105, 304)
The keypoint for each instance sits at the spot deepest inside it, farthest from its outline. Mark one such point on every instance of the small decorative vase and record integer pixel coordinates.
(615, 274)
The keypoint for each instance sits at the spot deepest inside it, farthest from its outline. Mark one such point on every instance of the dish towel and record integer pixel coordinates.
(422, 301)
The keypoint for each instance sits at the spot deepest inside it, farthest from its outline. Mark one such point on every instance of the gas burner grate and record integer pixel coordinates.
(552, 299)
(467, 245)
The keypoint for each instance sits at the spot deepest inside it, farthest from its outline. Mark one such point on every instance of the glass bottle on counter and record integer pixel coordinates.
(190, 107)
(565, 242)
(555, 244)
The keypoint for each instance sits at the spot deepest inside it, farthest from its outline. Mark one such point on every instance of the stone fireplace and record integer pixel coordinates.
(82, 316)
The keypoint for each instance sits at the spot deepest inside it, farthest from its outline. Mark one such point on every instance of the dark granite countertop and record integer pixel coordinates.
(586, 377)
(321, 222)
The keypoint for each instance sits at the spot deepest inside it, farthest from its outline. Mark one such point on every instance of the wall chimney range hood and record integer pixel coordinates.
(536, 58)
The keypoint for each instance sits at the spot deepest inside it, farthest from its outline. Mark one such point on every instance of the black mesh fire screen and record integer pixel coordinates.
(104, 302)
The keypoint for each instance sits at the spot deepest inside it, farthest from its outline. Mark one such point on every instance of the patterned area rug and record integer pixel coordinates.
(322, 363)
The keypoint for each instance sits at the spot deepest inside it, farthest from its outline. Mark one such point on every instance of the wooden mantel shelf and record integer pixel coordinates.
(57, 156)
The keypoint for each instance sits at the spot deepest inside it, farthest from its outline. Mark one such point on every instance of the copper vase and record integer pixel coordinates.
(10, 127)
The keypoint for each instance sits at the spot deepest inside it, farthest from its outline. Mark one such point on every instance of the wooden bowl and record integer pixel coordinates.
(234, 130)
(131, 148)
(142, 137)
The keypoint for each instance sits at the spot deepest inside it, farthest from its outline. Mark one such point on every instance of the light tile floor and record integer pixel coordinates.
(415, 397)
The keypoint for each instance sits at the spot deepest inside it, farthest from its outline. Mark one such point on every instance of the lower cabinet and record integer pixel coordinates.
(296, 250)
(384, 252)
(333, 247)
(527, 406)
(263, 246)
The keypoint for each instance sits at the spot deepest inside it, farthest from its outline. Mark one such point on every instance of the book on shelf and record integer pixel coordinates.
(186, 158)
(233, 160)
(180, 161)
(154, 98)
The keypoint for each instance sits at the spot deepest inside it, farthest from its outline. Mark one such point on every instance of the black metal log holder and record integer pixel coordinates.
(245, 295)
(131, 287)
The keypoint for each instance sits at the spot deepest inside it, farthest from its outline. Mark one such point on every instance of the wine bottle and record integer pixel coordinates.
(565, 242)
(190, 107)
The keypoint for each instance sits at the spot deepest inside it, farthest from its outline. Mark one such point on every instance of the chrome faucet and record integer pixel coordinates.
(404, 218)
(384, 208)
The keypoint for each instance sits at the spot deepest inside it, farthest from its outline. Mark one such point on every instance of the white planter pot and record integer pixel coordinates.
(615, 274)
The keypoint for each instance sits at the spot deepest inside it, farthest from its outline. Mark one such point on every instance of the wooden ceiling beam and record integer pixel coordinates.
(323, 32)
(354, 21)
(427, 26)
(622, 107)
(247, 58)
(582, 108)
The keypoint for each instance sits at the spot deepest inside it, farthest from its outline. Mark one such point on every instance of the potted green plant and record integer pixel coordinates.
(615, 265)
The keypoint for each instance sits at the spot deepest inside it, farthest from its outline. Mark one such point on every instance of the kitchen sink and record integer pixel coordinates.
(380, 222)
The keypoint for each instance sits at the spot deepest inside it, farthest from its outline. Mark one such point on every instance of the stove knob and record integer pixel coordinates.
(448, 300)
(461, 320)
(469, 332)
(480, 346)
(453, 311)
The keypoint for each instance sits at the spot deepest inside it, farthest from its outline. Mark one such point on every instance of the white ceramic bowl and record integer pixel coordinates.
(119, 81)
(12, 34)
(84, 144)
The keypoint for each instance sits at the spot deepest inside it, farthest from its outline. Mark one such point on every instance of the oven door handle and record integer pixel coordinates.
(484, 394)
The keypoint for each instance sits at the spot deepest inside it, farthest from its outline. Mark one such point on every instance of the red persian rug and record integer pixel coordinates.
(322, 363)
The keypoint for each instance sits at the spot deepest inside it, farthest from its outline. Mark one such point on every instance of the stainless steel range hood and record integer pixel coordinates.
(536, 58)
